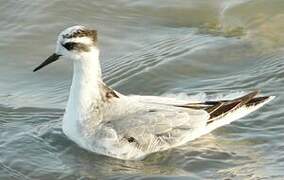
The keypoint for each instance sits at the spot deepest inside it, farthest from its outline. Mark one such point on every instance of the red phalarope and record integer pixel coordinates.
(107, 122)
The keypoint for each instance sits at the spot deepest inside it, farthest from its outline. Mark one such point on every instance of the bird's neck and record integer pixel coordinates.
(87, 68)
(84, 101)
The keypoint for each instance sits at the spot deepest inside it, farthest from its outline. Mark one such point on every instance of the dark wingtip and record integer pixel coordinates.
(258, 100)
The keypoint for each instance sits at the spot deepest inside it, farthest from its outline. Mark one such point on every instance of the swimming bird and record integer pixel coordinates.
(130, 127)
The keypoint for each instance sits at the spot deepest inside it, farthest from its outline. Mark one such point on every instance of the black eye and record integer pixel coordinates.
(69, 46)
(76, 46)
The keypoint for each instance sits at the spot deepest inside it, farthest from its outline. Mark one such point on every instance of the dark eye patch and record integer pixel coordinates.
(69, 46)
(75, 46)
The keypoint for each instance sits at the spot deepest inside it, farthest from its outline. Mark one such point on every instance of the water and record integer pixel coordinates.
(198, 49)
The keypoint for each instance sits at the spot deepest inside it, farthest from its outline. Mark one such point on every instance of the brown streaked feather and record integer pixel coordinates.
(220, 108)
(215, 103)
(256, 101)
(111, 94)
(212, 109)
(203, 105)
(83, 33)
(108, 93)
(224, 109)
(231, 106)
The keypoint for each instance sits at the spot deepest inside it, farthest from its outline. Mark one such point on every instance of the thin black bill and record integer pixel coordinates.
(49, 60)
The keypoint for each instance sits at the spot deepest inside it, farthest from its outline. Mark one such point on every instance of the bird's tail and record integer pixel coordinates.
(224, 112)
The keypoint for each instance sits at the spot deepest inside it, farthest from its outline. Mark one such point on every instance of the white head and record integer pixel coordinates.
(73, 43)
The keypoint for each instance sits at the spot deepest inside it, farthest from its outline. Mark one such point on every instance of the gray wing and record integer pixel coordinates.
(159, 128)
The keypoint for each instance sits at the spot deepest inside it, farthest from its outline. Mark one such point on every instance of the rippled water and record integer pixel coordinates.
(202, 49)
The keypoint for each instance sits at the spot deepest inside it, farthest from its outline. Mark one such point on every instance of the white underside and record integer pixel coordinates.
(108, 145)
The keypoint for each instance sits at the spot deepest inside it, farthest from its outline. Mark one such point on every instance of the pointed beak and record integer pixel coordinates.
(49, 60)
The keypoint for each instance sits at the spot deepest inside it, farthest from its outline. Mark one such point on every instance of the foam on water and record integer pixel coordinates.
(202, 97)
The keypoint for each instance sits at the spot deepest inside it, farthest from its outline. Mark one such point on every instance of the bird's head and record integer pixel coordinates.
(73, 43)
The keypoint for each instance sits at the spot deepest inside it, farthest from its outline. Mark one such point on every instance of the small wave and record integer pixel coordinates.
(259, 21)
(126, 67)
